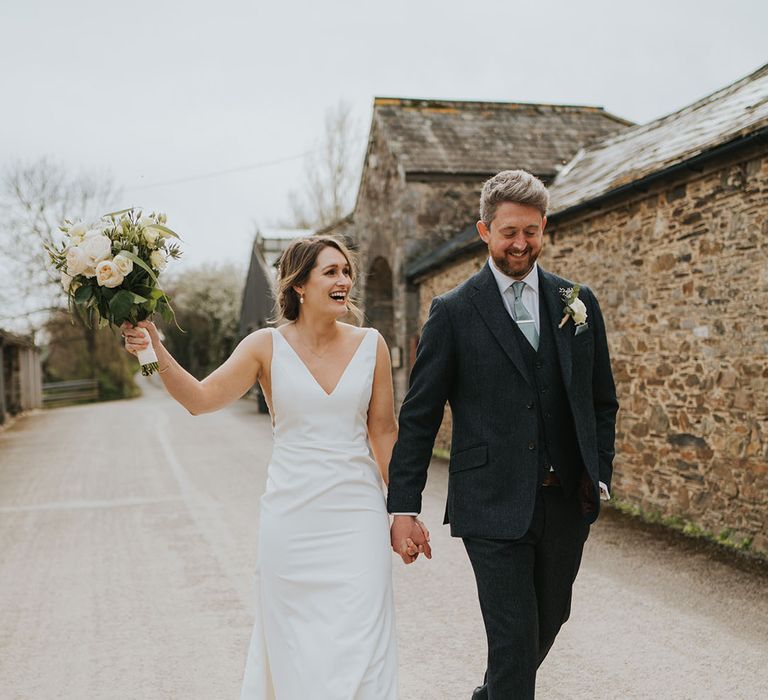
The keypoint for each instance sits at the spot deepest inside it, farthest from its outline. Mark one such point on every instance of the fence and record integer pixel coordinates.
(58, 393)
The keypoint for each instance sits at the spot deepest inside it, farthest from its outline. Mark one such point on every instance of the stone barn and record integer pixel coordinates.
(668, 223)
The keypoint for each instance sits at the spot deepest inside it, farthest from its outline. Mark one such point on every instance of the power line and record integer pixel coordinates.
(217, 173)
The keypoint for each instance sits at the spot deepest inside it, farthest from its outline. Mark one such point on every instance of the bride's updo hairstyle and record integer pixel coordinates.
(296, 264)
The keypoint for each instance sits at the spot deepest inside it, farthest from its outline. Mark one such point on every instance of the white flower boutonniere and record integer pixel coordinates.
(574, 307)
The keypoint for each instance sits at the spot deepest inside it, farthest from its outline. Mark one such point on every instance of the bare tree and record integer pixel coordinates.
(332, 170)
(34, 198)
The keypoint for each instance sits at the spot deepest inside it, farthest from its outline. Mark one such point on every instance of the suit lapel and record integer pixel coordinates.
(549, 294)
(490, 306)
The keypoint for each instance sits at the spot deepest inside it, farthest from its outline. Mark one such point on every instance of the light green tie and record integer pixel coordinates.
(524, 319)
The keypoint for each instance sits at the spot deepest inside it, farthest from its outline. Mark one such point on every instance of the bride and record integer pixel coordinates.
(325, 623)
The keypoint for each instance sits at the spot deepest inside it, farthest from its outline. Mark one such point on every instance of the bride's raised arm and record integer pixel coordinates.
(223, 386)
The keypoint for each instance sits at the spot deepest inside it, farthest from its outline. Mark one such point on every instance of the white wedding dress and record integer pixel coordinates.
(325, 627)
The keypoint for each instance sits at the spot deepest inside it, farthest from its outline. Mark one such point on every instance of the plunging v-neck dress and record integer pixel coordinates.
(325, 626)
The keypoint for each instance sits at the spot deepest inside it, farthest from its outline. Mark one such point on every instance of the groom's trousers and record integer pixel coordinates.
(524, 587)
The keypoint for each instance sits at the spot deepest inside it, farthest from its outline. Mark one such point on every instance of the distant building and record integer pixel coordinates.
(258, 305)
(21, 376)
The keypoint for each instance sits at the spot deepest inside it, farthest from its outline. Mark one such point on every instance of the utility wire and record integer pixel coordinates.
(217, 173)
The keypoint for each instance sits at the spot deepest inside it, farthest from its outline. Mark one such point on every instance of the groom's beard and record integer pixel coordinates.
(517, 268)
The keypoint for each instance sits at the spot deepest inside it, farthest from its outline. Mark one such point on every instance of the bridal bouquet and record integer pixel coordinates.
(109, 270)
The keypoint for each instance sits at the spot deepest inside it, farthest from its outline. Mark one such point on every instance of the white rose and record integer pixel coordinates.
(107, 274)
(158, 260)
(579, 311)
(150, 236)
(77, 233)
(77, 261)
(124, 264)
(97, 246)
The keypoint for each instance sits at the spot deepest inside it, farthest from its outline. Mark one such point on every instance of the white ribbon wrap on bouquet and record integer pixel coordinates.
(147, 357)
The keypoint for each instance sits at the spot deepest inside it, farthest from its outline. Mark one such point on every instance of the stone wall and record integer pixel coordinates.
(398, 219)
(681, 272)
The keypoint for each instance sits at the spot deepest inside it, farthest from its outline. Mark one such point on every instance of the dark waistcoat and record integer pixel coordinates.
(557, 443)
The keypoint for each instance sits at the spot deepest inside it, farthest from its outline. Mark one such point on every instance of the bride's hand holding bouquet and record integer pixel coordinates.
(141, 338)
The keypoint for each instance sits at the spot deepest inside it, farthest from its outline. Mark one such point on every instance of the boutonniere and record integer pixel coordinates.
(574, 307)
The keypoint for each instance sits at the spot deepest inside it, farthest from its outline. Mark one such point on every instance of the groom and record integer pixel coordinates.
(521, 356)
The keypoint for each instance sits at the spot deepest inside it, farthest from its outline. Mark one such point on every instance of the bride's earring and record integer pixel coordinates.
(301, 298)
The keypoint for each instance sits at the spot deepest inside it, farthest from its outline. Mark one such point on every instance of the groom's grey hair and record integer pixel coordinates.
(516, 186)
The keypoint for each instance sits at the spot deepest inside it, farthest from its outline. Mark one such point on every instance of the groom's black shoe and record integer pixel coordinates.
(480, 693)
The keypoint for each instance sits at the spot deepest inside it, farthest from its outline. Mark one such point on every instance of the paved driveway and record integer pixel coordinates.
(126, 570)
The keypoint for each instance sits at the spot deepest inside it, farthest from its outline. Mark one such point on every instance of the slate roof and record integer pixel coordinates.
(481, 138)
(725, 116)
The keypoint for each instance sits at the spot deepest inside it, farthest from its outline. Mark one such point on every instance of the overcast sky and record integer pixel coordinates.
(156, 91)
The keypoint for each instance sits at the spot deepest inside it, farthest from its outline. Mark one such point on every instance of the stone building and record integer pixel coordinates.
(668, 223)
(424, 167)
(21, 375)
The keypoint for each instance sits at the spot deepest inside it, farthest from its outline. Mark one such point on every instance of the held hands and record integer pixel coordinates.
(135, 339)
(409, 538)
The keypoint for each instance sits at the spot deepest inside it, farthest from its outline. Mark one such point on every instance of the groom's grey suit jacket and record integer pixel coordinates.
(470, 355)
